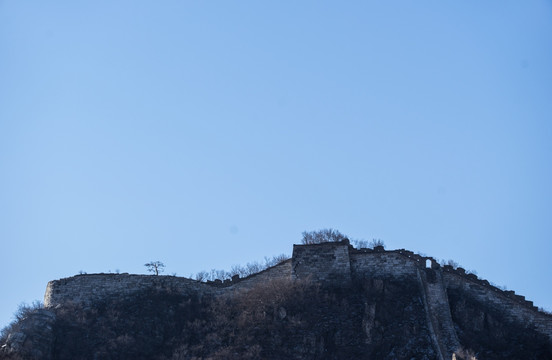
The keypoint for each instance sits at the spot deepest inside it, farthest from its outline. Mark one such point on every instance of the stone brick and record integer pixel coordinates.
(328, 263)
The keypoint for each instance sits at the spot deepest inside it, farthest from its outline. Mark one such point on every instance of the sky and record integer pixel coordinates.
(205, 134)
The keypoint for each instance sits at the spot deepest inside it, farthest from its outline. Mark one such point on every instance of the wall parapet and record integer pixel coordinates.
(510, 294)
(473, 278)
(515, 307)
(90, 288)
(283, 269)
(336, 263)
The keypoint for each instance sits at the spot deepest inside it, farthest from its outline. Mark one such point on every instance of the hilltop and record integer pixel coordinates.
(329, 301)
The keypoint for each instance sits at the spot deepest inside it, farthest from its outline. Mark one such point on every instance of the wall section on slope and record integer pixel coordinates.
(90, 288)
(515, 308)
(327, 263)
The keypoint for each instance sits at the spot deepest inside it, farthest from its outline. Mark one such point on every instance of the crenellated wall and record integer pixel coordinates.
(515, 307)
(328, 263)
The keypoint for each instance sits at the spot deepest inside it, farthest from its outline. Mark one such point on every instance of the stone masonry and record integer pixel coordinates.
(335, 264)
(324, 263)
(90, 288)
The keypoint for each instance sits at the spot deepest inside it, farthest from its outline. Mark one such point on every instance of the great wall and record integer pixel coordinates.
(336, 264)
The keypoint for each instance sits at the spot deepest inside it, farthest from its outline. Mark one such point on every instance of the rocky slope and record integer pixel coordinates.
(370, 319)
(306, 308)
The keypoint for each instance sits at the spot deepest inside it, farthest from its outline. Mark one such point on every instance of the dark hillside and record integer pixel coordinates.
(492, 335)
(329, 301)
(276, 320)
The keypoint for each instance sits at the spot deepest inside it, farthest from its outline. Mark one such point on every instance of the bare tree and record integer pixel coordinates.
(322, 236)
(377, 242)
(202, 276)
(360, 244)
(155, 267)
(241, 270)
(275, 260)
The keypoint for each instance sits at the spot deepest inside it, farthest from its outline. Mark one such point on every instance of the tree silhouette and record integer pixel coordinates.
(322, 236)
(155, 266)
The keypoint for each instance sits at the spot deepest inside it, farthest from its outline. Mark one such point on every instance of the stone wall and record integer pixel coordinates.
(328, 263)
(94, 287)
(513, 306)
(335, 263)
(382, 264)
(91, 288)
(324, 263)
(438, 314)
(281, 271)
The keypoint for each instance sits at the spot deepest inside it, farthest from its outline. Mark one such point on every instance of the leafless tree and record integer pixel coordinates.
(241, 270)
(322, 236)
(155, 267)
(275, 260)
(360, 244)
(377, 242)
(449, 262)
(202, 276)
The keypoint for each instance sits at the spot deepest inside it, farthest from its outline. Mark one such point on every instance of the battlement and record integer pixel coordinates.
(335, 264)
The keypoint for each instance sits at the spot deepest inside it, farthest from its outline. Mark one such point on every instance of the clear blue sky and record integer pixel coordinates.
(211, 133)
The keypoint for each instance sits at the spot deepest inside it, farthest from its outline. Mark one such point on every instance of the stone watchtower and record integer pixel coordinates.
(327, 263)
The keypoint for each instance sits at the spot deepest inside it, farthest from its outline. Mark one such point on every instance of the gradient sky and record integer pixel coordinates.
(211, 133)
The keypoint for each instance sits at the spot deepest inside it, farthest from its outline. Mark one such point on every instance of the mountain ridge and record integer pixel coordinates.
(358, 277)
